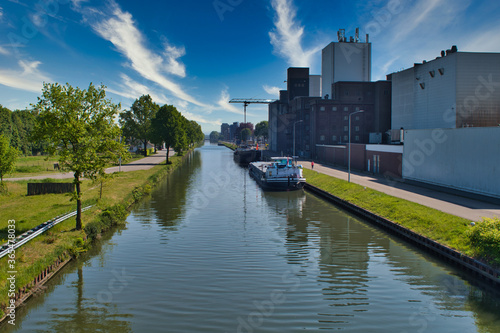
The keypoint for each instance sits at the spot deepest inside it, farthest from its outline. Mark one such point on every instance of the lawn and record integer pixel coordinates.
(444, 228)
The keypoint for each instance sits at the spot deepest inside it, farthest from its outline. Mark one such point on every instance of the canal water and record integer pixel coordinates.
(211, 252)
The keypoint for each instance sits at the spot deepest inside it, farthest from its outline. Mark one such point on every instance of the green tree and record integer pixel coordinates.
(214, 136)
(79, 126)
(194, 132)
(137, 122)
(246, 133)
(8, 157)
(262, 130)
(168, 126)
(6, 126)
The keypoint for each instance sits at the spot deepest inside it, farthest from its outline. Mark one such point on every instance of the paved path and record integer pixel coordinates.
(142, 164)
(470, 209)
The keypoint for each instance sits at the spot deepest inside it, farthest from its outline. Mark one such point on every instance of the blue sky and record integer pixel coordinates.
(197, 54)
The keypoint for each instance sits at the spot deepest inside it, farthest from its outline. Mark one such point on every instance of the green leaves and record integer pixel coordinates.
(137, 122)
(79, 126)
(262, 129)
(8, 157)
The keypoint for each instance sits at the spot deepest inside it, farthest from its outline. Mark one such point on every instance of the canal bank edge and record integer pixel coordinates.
(465, 262)
(123, 208)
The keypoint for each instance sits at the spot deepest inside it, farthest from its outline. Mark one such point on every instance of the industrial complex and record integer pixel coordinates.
(436, 122)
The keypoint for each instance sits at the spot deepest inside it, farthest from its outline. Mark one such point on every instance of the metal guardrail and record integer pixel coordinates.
(36, 231)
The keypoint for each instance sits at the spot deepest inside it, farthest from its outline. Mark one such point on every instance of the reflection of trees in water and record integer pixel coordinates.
(88, 315)
(169, 198)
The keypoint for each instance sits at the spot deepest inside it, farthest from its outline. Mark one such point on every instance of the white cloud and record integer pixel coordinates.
(200, 119)
(275, 91)
(172, 65)
(225, 105)
(287, 36)
(30, 78)
(1, 13)
(3, 51)
(132, 90)
(120, 29)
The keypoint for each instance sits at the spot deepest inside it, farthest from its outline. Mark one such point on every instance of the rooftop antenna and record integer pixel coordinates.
(341, 35)
(357, 35)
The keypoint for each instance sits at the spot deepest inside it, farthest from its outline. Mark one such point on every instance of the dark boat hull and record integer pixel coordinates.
(245, 157)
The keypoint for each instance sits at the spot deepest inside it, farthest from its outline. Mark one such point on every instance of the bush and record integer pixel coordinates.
(107, 218)
(485, 238)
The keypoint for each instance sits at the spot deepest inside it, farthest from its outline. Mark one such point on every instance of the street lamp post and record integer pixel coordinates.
(349, 157)
(298, 121)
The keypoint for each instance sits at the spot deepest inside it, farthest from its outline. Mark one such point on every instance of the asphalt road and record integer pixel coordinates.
(470, 209)
(142, 164)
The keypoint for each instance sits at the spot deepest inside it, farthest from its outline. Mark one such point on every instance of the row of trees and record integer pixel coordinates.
(16, 127)
(147, 122)
(79, 127)
(245, 131)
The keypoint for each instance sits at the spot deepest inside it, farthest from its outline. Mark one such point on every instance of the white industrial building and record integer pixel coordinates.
(449, 109)
(345, 60)
(458, 89)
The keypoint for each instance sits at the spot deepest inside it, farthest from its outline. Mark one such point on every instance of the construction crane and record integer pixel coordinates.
(247, 101)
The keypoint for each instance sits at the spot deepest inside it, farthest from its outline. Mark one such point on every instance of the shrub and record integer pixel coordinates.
(485, 238)
(107, 218)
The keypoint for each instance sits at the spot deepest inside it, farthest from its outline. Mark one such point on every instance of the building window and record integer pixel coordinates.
(334, 108)
(346, 117)
(322, 108)
(357, 118)
(347, 92)
(346, 108)
(334, 138)
(357, 108)
(346, 138)
(322, 138)
(356, 138)
(346, 128)
(356, 128)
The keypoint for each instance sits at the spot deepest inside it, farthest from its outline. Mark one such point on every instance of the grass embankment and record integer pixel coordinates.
(119, 194)
(229, 145)
(444, 228)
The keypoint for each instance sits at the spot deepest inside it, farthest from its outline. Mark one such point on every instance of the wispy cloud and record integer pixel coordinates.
(132, 90)
(406, 33)
(200, 119)
(1, 14)
(275, 91)
(29, 78)
(287, 36)
(3, 51)
(120, 29)
(224, 103)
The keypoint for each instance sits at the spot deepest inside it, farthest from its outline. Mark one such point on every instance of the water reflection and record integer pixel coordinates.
(238, 259)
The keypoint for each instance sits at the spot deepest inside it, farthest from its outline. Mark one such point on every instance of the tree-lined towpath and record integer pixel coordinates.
(142, 164)
(468, 208)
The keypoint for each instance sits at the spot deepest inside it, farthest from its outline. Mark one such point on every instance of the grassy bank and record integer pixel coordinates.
(62, 241)
(444, 228)
(229, 145)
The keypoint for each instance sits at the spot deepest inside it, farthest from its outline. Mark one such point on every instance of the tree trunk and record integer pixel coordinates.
(145, 148)
(78, 203)
(168, 149)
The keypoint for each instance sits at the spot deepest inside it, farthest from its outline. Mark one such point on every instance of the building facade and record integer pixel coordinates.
(458, 89)
(345, 60)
